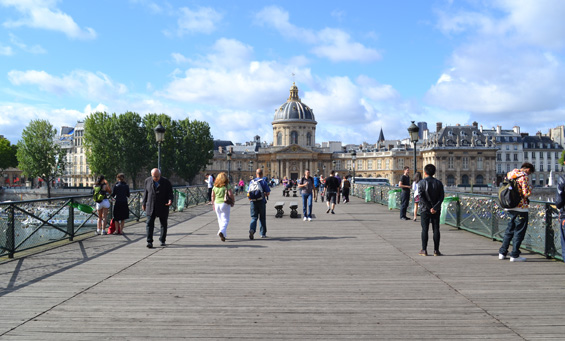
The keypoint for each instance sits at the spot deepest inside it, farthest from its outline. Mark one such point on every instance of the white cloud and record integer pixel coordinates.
(6, 50)
(203, 20)
(331, 43)
(97, 86)
(506, 63)
(179, 58)
(43, 14)
(35, 49)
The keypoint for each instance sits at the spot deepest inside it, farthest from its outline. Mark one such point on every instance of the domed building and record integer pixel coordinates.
(294, 123)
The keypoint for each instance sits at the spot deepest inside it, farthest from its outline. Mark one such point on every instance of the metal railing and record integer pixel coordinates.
(32, 223)
(482, 214)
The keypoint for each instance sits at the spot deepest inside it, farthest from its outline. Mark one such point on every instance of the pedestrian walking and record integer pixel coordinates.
(306, 184)
(258, 194)
(560, 203)
(120, 193)
(316, 189)
(431, 194)
(322, 187)
(102, 207)
(417, 179)
(404, 184)
(518, 224)
(220, 191)
(332, 191)
(210, 182)
(157, 198)
(346, 188)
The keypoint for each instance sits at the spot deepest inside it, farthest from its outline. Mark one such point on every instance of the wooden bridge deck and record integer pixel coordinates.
(353, 275)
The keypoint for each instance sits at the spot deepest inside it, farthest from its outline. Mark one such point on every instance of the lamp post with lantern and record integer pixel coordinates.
(229, 154)
(159, 137)
(413, 130)
(353, 158)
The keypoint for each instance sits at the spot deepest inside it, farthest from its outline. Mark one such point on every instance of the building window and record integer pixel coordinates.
(515, 157)
(525, 155)
(360, 164)
(465, 180)
(541, 168)
(541, 155)
(499, 168)
(465, 162)
(507, 147)
(387, 164)
(515, 147)
(400, 163)
(379, 164)
(479, 180)
(293, 137)
(533, 155)
(348, 164)
(450, 162)
(450, 180)
(507, 157)
(338, 164)
(369, 164)
(480, 163)
(308, 139)
(507, 168)
(279, 139)
(498, 157)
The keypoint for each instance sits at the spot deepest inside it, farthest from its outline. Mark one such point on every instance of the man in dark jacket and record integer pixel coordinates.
(560, 203)
(431, 194)
(157, 198)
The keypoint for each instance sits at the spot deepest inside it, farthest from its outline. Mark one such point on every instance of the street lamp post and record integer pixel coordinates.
(251, 167)
(159, 137)
(413, 130)
(353, 158)
(229, 165)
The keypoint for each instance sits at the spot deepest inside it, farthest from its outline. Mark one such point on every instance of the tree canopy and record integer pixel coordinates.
(38, 153)
(7, 155)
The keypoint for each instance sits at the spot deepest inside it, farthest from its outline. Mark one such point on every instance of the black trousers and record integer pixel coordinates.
(150, 227)
(426, 219)
(404, 200)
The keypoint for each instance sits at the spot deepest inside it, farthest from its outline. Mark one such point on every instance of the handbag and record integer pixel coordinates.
(227, 199)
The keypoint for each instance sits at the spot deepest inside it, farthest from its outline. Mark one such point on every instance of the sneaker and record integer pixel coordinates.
(305, 219)
(97, 231)
(518, 259)
(309, 219)
(437, 253)
(251, 235)
(104, 232)
(163, 244)
(149, 245)
(501, 256)
(263, 236)
(423, 253)
(333, 212)
(222, 238)
(328, 211)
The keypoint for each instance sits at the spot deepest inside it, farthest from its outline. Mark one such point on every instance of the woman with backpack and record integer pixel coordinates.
(220, 193)
(101, 186)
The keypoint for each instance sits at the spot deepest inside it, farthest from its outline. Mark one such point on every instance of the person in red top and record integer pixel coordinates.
(516, 230)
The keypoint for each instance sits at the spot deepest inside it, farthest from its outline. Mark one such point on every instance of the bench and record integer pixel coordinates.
(293, 209)
(279, 207)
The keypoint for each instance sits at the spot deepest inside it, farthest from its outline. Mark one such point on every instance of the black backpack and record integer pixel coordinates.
(509, 194)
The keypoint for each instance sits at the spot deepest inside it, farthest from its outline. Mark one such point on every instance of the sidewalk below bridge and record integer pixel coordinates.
(355, 274)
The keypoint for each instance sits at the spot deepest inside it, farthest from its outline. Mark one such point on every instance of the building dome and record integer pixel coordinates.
(294, 109)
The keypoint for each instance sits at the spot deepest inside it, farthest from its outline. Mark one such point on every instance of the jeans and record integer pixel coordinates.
(150, 227)
(307, 203)
(404, 200)
(426, 219)
(258, 209)
(345, 195)
(516, 231)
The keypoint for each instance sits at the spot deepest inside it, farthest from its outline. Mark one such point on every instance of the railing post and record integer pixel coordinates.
(71, 221)
(11, 235)
(138, 206)
(549, 251)
(458, 213)
(494, 220)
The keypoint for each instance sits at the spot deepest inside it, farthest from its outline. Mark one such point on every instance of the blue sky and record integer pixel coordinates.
(361, 65)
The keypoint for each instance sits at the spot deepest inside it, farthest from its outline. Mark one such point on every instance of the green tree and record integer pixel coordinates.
(38, 153)
(101, 142)
(132, 147)
(150, 121)
(194, 148)
(562, 158)
(7, 155)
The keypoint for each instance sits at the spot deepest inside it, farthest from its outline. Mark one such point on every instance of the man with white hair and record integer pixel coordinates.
(157, 198)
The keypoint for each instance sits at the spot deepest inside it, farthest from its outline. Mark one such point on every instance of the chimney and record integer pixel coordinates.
(438, 127)
(220, 149)
(425, 134)
(475, 124)
(481, 128)
(516, 129)
(538, 134)
(498, 129)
